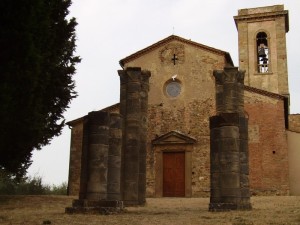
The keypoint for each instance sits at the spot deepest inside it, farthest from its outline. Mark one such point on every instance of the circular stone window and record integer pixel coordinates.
(173, 88)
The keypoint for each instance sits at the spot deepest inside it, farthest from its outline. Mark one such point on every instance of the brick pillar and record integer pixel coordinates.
(229, 144)
(133, 108)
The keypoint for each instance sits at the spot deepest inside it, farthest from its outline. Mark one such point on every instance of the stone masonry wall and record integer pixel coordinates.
(189, 112)
(294, 122)
(268, 170)
(191, 119)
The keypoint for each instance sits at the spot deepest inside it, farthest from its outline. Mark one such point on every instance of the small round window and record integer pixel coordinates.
(173, 88)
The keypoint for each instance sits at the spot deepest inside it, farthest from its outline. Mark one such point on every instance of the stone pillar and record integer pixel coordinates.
(98, 155)
(123, 91)
(229, 144)
(244, 163)
(131, 144)
(114, 158)
(100, 174)
(133, 108)
(143, 136)
(84, 160)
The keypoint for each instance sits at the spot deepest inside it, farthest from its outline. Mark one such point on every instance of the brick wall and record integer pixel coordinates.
(268, 150)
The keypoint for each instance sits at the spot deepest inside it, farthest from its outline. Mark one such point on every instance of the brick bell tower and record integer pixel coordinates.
(262, 47)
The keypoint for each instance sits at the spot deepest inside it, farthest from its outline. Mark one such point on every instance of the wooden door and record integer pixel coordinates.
(173, 174)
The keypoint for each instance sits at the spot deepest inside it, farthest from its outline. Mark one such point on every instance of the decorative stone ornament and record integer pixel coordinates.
(173, 88)
(172, 54)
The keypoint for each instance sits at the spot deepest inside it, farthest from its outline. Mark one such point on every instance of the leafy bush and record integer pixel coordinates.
(29, 186)
(59, 189)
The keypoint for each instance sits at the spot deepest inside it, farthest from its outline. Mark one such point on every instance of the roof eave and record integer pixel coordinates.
(253, 17)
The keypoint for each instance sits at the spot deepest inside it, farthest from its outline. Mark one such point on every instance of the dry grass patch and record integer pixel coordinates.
(31, 210)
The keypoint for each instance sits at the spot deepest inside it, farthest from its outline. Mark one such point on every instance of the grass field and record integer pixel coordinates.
(31, 210)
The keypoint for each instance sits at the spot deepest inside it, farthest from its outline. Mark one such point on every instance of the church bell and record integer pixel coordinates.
(261, 52)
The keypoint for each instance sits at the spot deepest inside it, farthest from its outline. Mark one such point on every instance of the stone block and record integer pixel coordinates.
(113, 189)
(224, 132)
(104, 207)
(229, 180)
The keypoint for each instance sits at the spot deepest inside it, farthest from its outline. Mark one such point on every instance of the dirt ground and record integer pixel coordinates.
(31, 210)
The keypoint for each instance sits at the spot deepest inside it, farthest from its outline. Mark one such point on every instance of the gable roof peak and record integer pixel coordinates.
(174, 38)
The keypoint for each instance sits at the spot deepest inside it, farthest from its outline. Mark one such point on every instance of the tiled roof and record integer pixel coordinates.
(111, 108)
(107, 109)
(263, 92)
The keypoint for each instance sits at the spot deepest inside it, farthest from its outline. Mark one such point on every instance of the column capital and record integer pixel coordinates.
(229, 75)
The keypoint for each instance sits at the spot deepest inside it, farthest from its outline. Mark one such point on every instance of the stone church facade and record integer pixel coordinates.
(182, 98)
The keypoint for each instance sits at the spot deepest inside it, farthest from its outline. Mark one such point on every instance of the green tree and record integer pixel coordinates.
(37, 64)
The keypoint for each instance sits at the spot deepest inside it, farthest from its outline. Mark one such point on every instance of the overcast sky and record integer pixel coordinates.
(110, 30)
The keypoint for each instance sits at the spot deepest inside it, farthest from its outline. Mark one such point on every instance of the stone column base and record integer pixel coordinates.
(221, 207)
(104, 207)
(133, 203)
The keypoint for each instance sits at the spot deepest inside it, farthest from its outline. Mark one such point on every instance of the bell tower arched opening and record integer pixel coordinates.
(263, 58)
